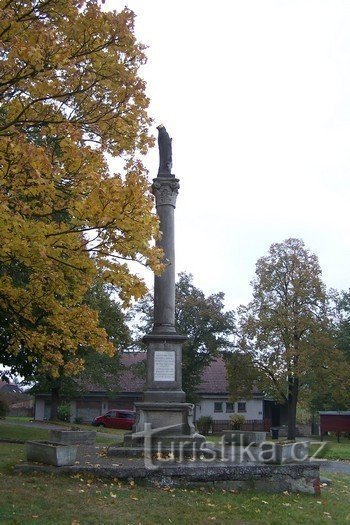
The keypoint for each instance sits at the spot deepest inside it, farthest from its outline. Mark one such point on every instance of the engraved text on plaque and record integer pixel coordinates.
(164, 365)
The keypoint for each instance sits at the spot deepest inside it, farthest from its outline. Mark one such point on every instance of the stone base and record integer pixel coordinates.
(157, 396)
(173, 447)
(163, 419)
(302, 477)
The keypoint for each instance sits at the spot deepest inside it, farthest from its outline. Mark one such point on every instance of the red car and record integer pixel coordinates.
(123, 419)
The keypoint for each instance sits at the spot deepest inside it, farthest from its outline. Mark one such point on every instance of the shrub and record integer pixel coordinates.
(78, 420)
(237, 421)
(204, 424)
(63, 412)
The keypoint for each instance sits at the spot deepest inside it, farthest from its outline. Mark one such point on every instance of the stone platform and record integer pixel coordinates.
(93, 460)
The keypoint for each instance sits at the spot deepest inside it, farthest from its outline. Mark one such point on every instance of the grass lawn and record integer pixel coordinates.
(44, 499)
(83, 426)
(335, 450)
(11, 428)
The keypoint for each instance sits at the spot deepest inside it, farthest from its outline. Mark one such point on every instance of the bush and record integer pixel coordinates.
(204, 425)
(63, 413)
(237, 421)
(78, 420)
(4, 406)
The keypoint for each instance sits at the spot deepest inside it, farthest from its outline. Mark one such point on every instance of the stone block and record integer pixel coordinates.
(243, 437)
(73, 437)
(50, 453)
(280, 453)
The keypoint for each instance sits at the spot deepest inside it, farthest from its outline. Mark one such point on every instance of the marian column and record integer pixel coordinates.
(164, 400)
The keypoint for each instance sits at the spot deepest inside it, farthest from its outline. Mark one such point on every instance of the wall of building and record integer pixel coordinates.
(206, 407)
(39, 413)
(86, 409)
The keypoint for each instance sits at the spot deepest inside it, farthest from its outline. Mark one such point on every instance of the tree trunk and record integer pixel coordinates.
(293, 391)
(55, 398)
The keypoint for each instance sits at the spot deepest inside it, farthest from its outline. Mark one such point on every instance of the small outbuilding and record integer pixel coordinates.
(334, 421)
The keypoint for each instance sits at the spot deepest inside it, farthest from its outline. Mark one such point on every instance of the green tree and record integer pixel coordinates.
(331, 390)
(286, 331)
(343, 328)
(209, 329)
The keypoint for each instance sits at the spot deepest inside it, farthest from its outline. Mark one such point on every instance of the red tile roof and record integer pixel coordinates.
(214, 378)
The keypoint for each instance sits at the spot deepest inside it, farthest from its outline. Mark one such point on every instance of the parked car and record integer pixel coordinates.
(123, 419)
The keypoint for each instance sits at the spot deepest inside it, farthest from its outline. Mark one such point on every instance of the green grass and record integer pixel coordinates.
(44, 499)
(334, 450)
(18, 419)
(9, 429)
(83, 426)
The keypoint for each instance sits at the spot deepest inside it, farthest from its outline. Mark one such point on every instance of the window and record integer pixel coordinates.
(230, 407)
(242, 407)
(217, 407)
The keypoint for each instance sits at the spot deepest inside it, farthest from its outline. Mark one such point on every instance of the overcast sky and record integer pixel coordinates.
(256, 95)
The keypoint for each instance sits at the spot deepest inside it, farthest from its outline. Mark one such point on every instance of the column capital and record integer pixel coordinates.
(165, 190)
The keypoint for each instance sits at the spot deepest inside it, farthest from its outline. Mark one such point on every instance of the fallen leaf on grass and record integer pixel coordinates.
(112, 495)
(134, 498)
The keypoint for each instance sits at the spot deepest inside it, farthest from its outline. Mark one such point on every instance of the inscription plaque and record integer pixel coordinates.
(164, 365)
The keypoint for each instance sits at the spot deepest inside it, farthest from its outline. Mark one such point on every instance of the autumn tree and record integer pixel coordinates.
(70, 98)
(203, 319)
(286, 331)
(99, 368)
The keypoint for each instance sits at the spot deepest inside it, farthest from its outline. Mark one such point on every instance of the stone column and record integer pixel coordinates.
(165, 190)
(164, 354)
